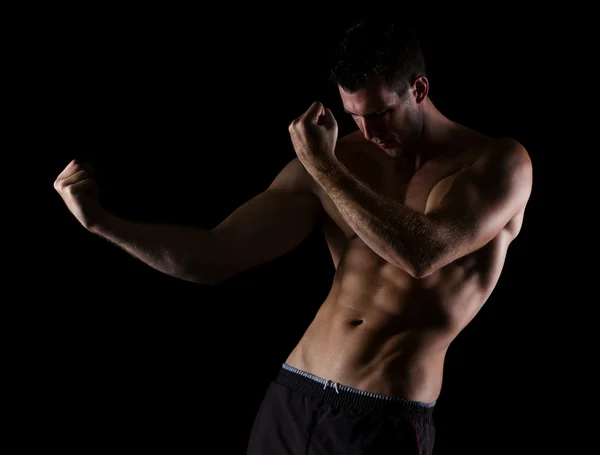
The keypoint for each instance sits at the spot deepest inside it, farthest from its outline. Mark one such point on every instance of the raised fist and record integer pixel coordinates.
(77, 187)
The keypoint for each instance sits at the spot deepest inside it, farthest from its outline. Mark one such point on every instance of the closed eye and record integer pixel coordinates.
(374, 115)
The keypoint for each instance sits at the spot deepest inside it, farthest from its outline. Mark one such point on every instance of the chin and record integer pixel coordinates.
(392, 151)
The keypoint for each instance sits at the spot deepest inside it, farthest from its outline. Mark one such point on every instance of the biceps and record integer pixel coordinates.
(267, 226)
(476, 207)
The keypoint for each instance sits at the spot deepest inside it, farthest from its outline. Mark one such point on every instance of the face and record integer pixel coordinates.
(390, 121)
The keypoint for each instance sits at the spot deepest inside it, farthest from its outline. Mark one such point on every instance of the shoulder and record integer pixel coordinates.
(294, 176)
(507, 158)
(503, 170)
(355, 137)
(509, 150)
(353, 144)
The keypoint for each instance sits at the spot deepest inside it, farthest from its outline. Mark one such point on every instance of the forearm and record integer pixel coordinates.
(179, 251)
(403, 237)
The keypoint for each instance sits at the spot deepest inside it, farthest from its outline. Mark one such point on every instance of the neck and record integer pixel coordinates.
(434, 128)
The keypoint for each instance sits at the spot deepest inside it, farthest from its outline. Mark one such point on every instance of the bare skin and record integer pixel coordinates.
(381, 329)
(418, 228)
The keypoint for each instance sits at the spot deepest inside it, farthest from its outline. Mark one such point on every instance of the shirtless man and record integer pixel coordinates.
(418, 212)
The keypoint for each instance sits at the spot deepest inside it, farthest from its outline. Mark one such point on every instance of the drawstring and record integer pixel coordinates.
(333, 384)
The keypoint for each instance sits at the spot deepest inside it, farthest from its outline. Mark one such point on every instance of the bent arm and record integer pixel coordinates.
(267, 226)
(481, 200)
(477, 206)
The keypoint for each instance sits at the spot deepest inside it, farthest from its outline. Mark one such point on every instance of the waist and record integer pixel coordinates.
(366, 353)
(345, 396)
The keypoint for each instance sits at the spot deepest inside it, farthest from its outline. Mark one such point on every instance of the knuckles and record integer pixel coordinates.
(295, 125)
(298, 127)
(64, 183)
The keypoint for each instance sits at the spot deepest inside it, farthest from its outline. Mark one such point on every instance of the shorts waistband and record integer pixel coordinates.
(350, 397)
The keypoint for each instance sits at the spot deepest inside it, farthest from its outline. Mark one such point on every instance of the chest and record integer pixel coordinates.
(411, 187)
(406, 184)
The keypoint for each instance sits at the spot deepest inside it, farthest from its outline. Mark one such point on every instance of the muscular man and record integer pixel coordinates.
(418, 212)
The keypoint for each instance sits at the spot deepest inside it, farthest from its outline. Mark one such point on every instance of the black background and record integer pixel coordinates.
(184, 117)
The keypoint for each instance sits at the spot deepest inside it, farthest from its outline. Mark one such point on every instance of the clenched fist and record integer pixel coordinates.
(314, 135)
(77, 187)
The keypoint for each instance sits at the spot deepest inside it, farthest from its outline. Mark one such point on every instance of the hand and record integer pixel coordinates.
(78, 189)
(314, 135)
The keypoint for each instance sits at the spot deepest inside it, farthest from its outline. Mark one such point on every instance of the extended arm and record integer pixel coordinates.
(267, 226)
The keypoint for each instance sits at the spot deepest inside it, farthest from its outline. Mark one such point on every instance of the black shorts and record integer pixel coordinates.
(302, 414)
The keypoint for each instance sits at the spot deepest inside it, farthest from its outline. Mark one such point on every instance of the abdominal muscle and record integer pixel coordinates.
(383, 331)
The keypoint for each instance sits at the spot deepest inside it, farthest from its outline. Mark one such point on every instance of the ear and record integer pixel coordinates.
(420, 88)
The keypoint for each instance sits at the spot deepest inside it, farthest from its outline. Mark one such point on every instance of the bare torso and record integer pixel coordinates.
(380, 329)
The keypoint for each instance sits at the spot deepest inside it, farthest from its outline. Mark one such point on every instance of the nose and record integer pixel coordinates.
(369, 128)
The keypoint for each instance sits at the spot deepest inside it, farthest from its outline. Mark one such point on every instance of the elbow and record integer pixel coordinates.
(212, 279)
(202, 276)
(416, 267)
(429, 261)
(422, 270)
(433, 252)
(423, 263)
(215, 279)
(215, 276)
(433, 259)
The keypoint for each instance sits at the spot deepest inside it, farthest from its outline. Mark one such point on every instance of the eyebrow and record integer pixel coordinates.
(375, 112)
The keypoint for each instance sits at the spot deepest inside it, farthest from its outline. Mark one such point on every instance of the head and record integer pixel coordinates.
(380, 73)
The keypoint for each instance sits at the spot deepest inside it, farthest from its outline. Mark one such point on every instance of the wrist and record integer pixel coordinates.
(101, 223)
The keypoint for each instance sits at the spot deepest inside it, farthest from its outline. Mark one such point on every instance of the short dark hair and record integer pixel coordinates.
(375, 49)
